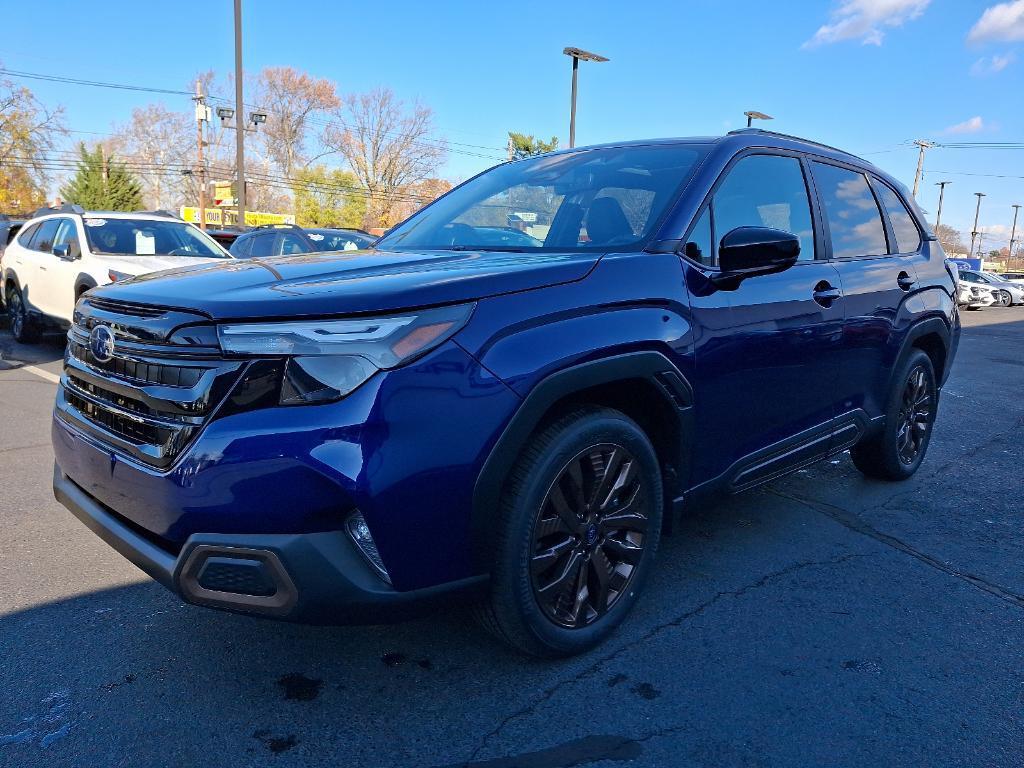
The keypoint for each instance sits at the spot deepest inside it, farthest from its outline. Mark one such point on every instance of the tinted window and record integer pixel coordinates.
(67, 234)
(908, 239)
(240, 247)
(25, 240)
(145, 237)
(765, 191)
(290, 243)
(698, 244)
(854, 221)
(43, 239)
(262, 245)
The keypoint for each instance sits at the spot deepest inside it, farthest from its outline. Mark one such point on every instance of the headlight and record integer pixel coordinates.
(328, 359)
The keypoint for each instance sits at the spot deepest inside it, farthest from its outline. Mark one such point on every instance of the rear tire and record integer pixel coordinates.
(22, 328)
(897, 451)
(578, 528)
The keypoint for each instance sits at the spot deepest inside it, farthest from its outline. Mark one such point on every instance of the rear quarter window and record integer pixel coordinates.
(908, 238)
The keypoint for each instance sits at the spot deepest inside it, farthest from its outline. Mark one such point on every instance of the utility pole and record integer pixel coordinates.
(202, 115)
(938, 215)
(923, 145)
(1013, 232)
(239, 122)
(977, 210)
(511, 154)
(103, 164)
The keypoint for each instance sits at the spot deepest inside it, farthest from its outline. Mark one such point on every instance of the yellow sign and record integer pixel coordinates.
(222, 217)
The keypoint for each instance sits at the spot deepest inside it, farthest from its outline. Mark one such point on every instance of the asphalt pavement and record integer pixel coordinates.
(822, 620)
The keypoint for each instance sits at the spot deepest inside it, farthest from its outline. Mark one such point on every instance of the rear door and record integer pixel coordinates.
(36, 263)
(876, 265)
(767, 352)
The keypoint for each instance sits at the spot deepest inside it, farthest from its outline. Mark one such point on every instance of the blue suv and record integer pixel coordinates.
(511, 395)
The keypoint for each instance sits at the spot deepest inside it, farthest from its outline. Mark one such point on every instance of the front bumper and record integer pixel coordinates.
(318, 578)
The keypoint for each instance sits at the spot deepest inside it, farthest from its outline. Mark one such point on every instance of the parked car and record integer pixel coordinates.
(1013, 277)
(1006, 293)
(8, 229)
(59, 254)
(226, 236)
(289, 239)
(975, 297)
(346, 437)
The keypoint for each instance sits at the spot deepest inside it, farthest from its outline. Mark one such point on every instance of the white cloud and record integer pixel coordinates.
(989, 65)
(866, 20)
(974, 125)
(1001, 22)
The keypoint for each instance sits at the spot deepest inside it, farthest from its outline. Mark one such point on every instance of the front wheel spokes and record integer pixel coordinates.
(544, 561)
(569, 575)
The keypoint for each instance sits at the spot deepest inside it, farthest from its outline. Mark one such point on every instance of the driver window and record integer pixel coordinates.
(67, 234)
(765, 191)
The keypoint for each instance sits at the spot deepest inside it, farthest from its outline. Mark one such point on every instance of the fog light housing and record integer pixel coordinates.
(359, 532)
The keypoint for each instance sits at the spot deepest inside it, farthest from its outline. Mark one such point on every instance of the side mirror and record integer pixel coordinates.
(63, 251)
(750, 251)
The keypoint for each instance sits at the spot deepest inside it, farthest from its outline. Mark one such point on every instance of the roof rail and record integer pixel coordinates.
(63, 208)
(283, 225)
(763, 132)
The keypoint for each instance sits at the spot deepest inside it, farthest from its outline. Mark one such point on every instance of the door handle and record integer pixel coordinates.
(905, 281)
(825, 293)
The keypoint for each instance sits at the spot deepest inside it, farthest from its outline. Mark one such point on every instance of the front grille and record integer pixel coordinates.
(126, 308)
(151, 399)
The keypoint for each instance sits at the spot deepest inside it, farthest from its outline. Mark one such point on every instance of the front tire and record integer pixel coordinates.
(578, 529)
(23, 329)
(898, 450)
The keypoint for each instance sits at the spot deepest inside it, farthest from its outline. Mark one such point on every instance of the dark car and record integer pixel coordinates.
(226, 236)
(8, 229)
(344, 437)
(288, 240)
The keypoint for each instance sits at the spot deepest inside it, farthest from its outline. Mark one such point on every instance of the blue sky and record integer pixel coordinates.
(864, 75)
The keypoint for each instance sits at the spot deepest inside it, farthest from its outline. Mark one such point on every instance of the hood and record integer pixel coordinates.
(141, 265)
(347, 282)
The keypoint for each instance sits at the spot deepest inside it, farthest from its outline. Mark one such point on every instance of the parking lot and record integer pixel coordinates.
(821, 620)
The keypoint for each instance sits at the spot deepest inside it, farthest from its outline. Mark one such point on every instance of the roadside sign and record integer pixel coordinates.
(223, 217)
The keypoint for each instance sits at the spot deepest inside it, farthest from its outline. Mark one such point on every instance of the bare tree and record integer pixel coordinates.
(389, 149)
(29, 132)
(949, 239)
(159, 145)
(291, 98)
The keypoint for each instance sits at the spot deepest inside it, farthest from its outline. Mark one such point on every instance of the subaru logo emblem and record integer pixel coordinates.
(101, 344)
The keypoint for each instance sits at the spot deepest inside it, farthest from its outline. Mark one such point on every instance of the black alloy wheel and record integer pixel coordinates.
(588, 536)
(915, 416)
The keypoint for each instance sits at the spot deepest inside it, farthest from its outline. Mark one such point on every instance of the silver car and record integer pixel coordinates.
(1007, 294)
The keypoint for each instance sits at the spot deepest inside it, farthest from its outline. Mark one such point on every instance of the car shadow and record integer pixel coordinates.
(49, 347)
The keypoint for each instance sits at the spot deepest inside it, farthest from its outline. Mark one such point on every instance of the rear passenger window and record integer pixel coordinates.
(290, 244)
(765, 191)
(26, 235)
(908, 239)
(854, 221)
(43, 239)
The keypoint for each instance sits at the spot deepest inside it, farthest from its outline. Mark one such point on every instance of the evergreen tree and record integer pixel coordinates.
(523, 145)
(102, 184)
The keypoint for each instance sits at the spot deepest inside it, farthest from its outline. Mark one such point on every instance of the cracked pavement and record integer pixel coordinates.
(820, 620)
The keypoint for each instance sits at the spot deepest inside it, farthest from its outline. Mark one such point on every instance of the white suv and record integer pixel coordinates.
(59, 255)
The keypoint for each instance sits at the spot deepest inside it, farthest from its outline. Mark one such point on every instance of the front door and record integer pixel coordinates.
(767, 353)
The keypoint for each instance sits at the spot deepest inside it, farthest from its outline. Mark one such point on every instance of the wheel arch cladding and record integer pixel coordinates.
(645, 386)
(82, 284)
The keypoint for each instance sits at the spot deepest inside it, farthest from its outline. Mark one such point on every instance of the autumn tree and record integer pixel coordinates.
(159, 144)
(420, 194)
(291, 98)
(949, 239)
(102, 183)
(328, 198)
(29, 132)
(523, 145)
(389, 148)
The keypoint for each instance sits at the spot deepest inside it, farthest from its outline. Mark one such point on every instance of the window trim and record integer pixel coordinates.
(43, 223)
(886, 226)
(705, 204)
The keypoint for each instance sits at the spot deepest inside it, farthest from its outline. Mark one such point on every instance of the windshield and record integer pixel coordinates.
(143, 237)
(339, 240)
(588, 200)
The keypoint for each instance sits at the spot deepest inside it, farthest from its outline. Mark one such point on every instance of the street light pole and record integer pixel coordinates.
(577, 54)
(1013, 232)
(239, 122)
(938, 215)
(920, 161)
(977, 210)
